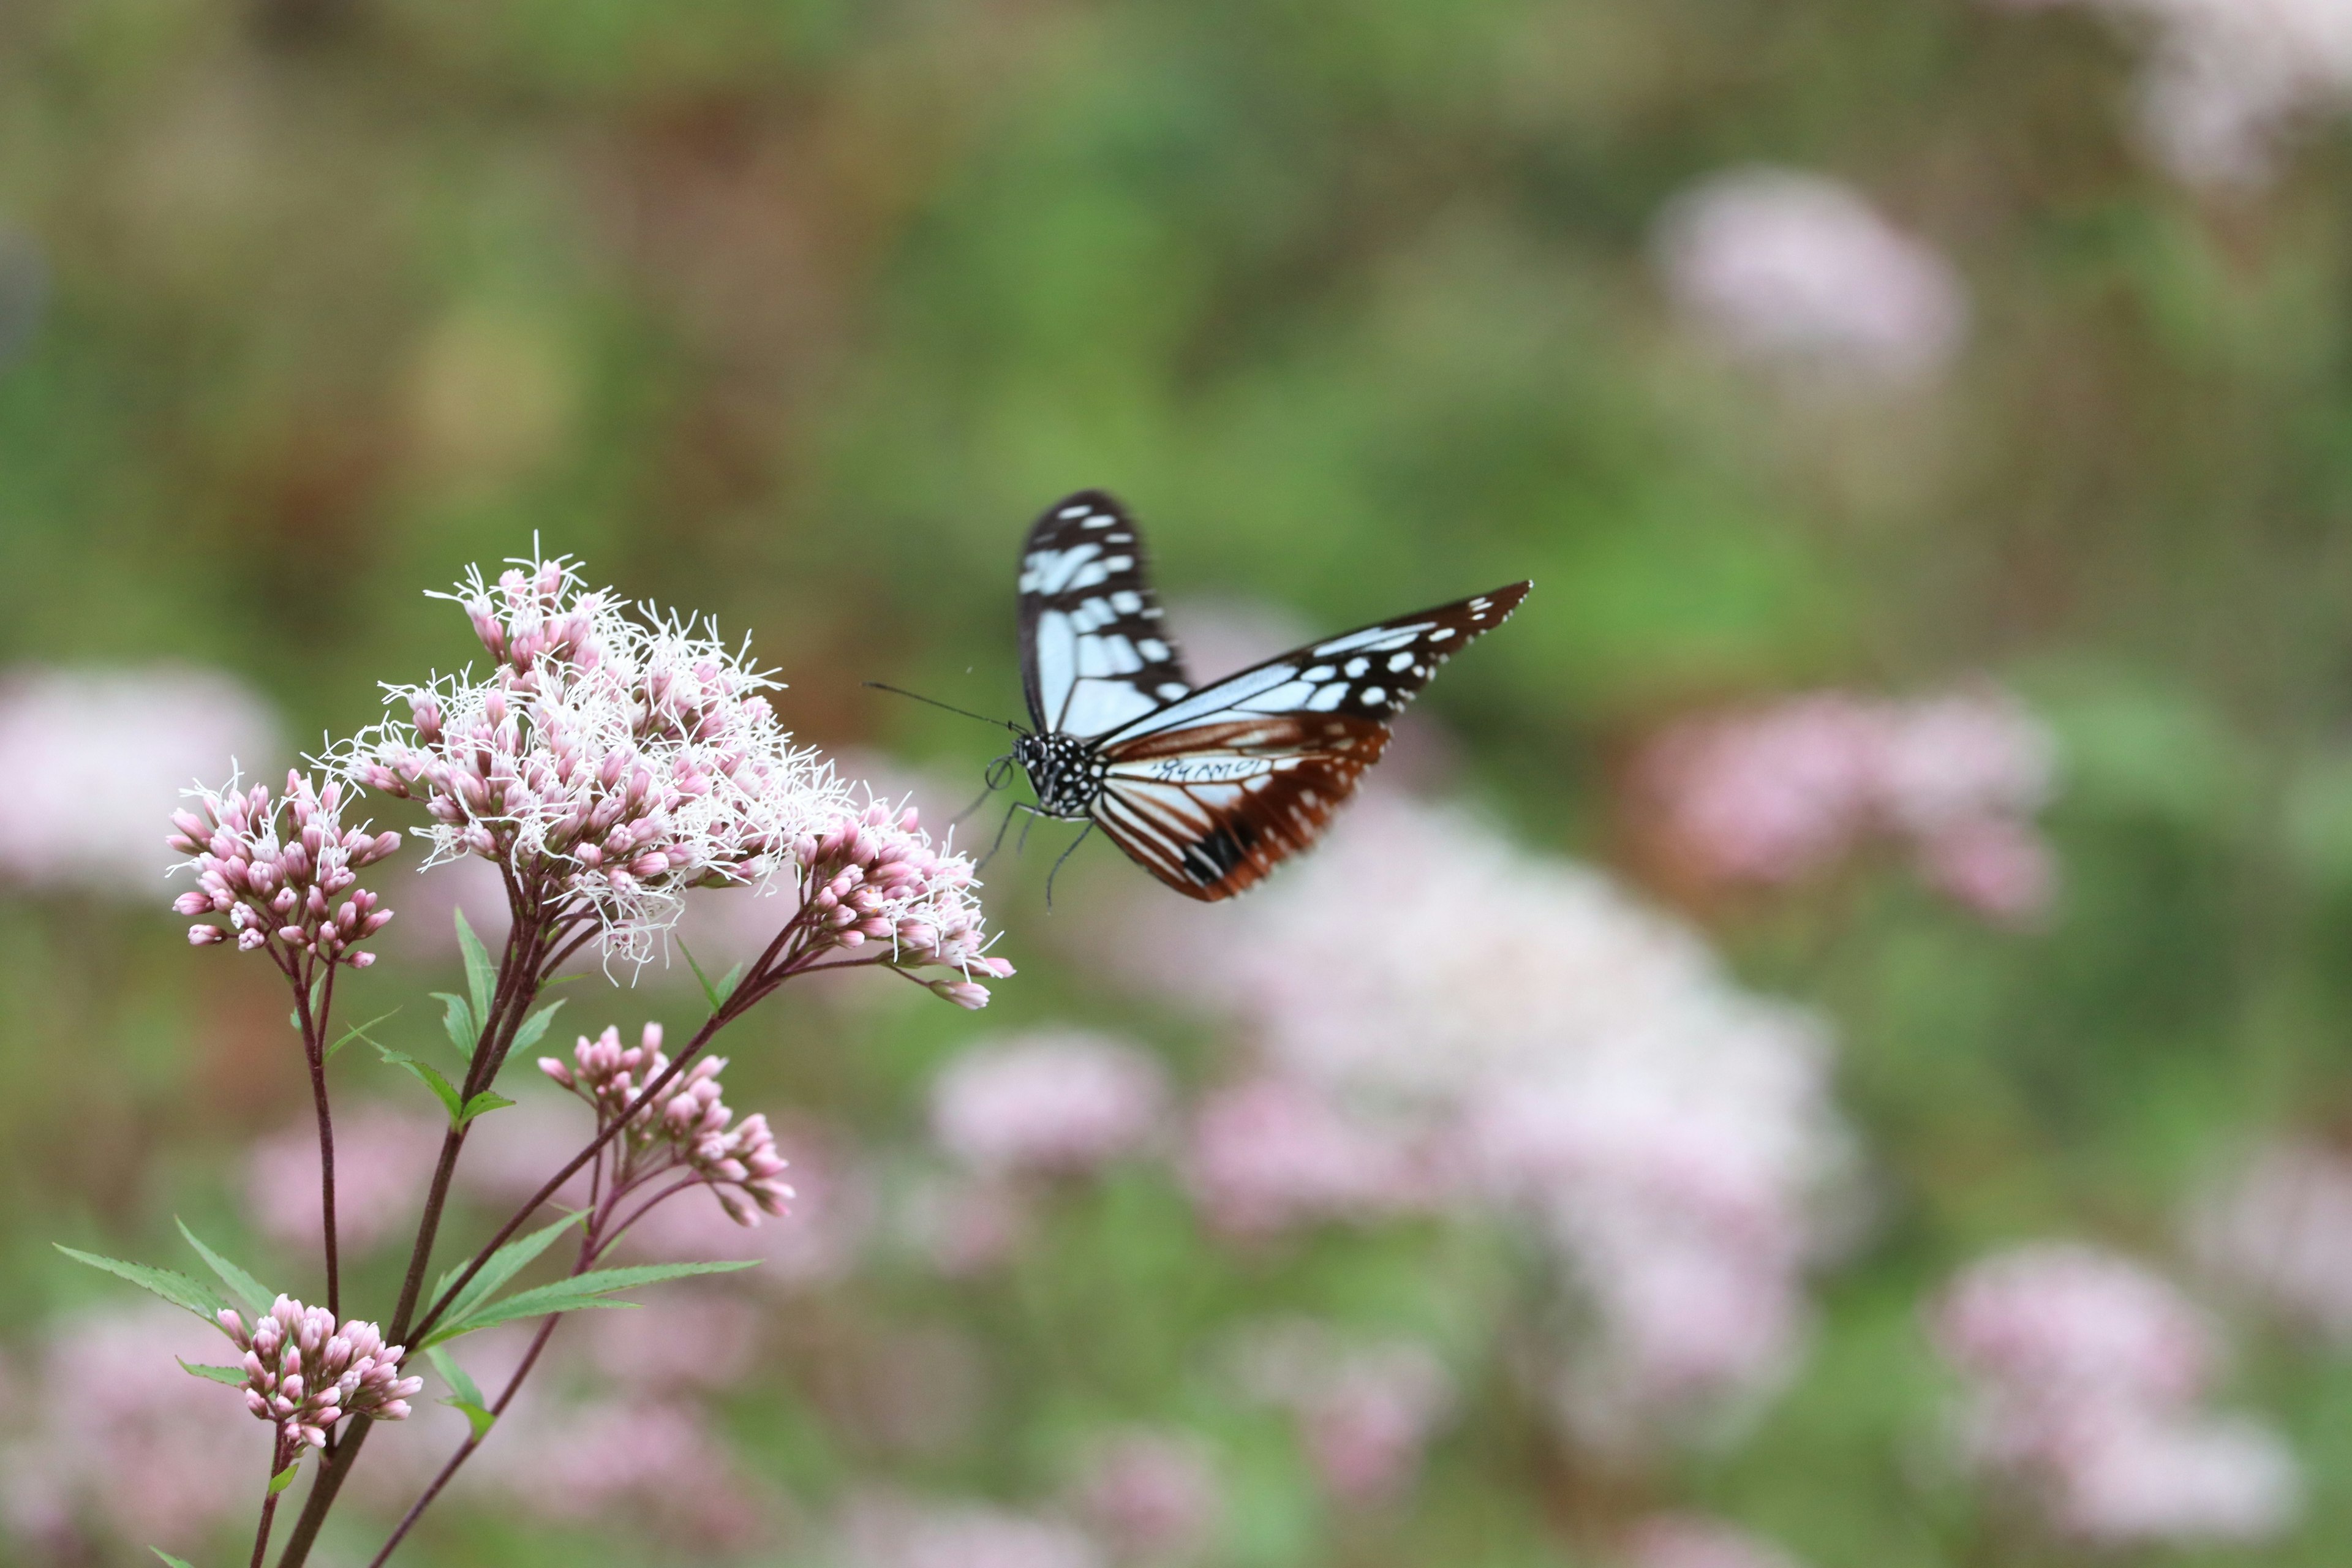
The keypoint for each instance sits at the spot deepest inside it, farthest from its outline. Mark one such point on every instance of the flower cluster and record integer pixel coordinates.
(2226, 80)
(1774, 793)
(687, 1128)
(1691, 1540)
(2085, 1374)
(1577, 1062)
(874, 876)
(1062, 1102)
(1797, 272)
(304, 1372)
(1366, 1410)
(1152, 1494)
(2281, 1229)
(605, 762)
(275, 889)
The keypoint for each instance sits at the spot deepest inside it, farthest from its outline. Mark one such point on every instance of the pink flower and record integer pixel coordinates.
(1270, 1153)
(1688, 1541)
(1797, 271)
(686, 1127)
(96, 759)
(1365, 1410)
(304, 1372)
(2084, 1376)
(2282, 1228)
(884, 1531)
(196, 1457)
(677, 1341)
(1781, 791)
(651, 1462)
(383, 1160)
(968, 1225)
(833, 1214)
(875, 877)
(1152, 1495)
(1059, 1101)
(280, 893)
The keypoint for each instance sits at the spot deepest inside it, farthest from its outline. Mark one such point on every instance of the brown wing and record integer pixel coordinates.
(1219, 787)
(1211, 822)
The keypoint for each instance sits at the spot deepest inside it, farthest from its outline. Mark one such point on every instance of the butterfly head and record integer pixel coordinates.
(1066, 772)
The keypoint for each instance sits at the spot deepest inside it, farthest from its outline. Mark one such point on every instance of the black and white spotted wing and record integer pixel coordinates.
(1093, 653)
(1213, 790)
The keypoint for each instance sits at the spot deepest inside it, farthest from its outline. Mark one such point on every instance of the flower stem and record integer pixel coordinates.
(278, 1459)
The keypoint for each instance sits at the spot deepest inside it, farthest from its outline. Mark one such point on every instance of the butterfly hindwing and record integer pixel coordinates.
(1094, 655)
(1212, 791)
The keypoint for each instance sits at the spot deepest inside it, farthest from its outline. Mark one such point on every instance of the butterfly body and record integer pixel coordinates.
(1207, 789)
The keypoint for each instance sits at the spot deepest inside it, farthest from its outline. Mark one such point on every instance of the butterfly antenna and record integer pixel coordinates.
(1066, 853)
(902, 691)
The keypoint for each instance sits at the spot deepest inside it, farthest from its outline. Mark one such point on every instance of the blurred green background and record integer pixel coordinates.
(797, 313)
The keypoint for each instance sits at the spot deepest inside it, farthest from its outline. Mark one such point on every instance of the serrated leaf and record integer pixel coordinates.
(234, 1376)
(481, 1105)
(187, 1294)
(580, 1290)
(502, 1266)
(284, 1478)
(460, 1384)
(427, 1075)
(243, 1286)
(480, 1416)
(457, 1022)
(481, 975)
(174, 1562)
(357, 1032)
(534, 1028)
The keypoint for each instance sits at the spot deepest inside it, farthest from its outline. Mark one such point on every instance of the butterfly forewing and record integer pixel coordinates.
(1094, 655)
(1212, 790)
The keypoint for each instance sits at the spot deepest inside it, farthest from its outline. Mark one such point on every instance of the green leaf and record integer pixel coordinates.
(481, 975)
(428, 1076)
(534, 1028)
(174, 1562)
(357, 1032)
(502, 1266)
(481, 1104)
(458, 1024)
(284, 1478)
(460, 1384)
(715, 994)
(243, 1286)
(173, 1287)
(480, 1416)
(571, 1295)
(234, 1376)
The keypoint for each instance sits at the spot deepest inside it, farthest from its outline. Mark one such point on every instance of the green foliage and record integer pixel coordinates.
(570, 1294)
(254, 1296)
(500, 1267)
(233, 1376)
(187, 1294)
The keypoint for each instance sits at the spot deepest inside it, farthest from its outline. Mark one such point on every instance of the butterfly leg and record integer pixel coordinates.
(999, 775)
(1016, 809)
(1066, 853)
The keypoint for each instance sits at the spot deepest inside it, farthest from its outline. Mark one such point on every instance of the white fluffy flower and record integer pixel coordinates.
(606, 762)
(1796, 270)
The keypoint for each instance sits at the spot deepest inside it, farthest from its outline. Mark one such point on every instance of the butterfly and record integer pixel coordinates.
(1208, 788)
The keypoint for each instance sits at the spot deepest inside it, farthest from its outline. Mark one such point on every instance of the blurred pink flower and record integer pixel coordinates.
(1270, 1153)
(1689, 1540)
(892, 1531)
(1056, 1102)
(1152, 1495)
(1366, 1409)
(2281, 1228)
(1780, 790)
(679, 1340)
(967, 1224)
(2228, 81)
(651, 1463)
(97, 759)
(1531, 1043)
(383, 1160)
(833, 1214)
(2085, 1376)
(110, 1403)
(1798, 271)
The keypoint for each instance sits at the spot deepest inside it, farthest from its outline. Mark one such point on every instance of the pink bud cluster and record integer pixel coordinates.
(874, 876)
(304, 1372)
(608, 762)
(280, 890)
(687, 1127)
